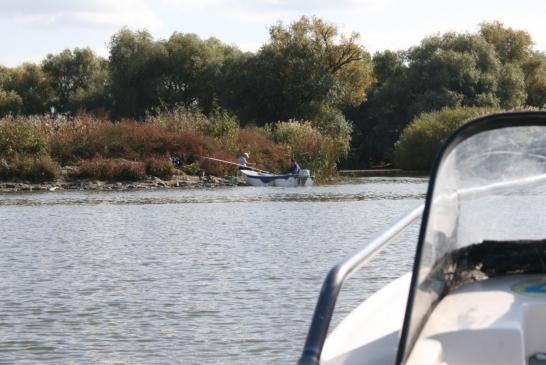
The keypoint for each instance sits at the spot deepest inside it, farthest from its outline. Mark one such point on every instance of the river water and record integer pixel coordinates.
(195, 276)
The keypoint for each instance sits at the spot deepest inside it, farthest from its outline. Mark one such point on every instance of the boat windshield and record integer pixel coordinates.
(485, 212)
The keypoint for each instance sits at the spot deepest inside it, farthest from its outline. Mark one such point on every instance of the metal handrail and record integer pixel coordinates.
(334, 282)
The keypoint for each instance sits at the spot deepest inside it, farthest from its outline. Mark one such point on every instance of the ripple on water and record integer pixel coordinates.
(224, 276)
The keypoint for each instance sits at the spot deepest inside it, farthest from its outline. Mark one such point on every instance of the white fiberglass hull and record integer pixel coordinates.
(495, 321)
(254, 178)
(369, 334)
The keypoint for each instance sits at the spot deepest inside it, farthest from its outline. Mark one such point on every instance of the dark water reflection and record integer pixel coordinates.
(221, 276)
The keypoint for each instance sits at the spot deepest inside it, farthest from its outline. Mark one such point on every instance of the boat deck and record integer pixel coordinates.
(495, 321)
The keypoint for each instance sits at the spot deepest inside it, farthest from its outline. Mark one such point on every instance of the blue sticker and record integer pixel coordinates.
(536, 287)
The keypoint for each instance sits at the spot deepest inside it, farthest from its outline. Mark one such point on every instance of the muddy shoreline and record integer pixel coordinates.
(177, 181)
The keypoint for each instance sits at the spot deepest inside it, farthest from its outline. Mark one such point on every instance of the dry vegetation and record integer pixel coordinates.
(36, 148)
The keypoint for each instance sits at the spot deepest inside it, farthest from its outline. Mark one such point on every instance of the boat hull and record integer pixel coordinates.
(254, 178)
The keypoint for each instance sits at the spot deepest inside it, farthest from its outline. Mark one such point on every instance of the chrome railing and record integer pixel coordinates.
(334, 282)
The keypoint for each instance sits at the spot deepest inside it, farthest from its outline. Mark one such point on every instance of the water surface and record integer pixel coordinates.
(219, 276)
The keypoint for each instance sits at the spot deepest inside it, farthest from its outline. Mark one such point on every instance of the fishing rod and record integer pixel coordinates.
(235, 164)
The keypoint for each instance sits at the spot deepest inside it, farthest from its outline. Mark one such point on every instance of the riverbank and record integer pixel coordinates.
(178, 180)
(151, 182)
(382, 173)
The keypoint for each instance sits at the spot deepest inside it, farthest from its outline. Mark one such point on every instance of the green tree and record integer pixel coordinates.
(534, 69)
(137, 67)
(454, 70)
(388, 65)
(422, 138)
(303, 67)
(31, 84)
(512, 46)
(193, 70)
(380, 119)
(79, 79)
(451, 70)
(10, 101)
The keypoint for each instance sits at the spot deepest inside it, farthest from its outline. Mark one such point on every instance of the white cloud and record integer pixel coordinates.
(14, 60)
(95, 14)
(265, 11)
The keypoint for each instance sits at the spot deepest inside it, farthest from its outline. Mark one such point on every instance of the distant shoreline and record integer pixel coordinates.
(383, 173)
(177, 181)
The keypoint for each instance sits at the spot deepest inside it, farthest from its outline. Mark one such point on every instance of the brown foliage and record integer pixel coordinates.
(159, 166)
(267, 154)
(112, 170)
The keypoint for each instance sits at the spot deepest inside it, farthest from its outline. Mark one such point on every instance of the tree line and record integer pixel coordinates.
(307, 71)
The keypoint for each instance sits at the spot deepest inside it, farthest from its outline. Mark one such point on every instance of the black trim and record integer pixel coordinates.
(480, 125)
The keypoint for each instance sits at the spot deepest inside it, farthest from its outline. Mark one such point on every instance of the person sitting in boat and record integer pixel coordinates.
(295, 169)
(176, 160)
(243, 161)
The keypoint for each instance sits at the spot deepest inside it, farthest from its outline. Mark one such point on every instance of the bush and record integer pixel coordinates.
(110, 170)
(313, 150)
(87, 138)
(20, 136)
(159, 166)
(33, 169)
(193, 168)
(178, 120)
(10, 102)
(267, 154)
(421, 140)
(104, 149)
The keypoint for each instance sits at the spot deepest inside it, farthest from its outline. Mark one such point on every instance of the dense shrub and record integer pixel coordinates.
(28, 168)
(87, 137)
(159, 166)
(422, 138)
(103, 149)
(20, 136)
(112, 170)
(312, 150)
(266, 153)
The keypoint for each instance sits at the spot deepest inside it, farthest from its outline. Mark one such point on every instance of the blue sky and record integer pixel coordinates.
(30, 29)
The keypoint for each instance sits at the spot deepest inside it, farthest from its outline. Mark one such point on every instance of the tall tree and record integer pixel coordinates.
(137, 67)
(304, 69)
(450, 70)
(31, 84)
(79, 79)
(512, 46)
(534, 69)
(193, 70)
(10, 101)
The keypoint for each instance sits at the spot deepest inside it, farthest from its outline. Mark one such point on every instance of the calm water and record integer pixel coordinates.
(222, 276)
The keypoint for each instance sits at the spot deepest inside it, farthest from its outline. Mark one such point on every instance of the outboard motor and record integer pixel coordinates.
(303, 176)
(304, 173)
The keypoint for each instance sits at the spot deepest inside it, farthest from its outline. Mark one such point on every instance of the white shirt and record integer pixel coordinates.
(242, 161)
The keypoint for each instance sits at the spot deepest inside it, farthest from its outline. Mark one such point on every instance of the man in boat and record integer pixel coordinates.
(243, 161)
(176, 160)
(295, 168)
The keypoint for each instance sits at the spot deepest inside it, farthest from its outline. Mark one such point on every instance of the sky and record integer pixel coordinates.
(30, 29)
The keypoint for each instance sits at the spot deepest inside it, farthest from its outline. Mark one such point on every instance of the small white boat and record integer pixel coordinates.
(255, 178)
(477, 293)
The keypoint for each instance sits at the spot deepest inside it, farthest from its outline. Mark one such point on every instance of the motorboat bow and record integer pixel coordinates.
(477, 292)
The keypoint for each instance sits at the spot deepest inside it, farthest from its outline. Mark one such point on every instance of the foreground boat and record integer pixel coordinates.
(477, 293)
(255, 178)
